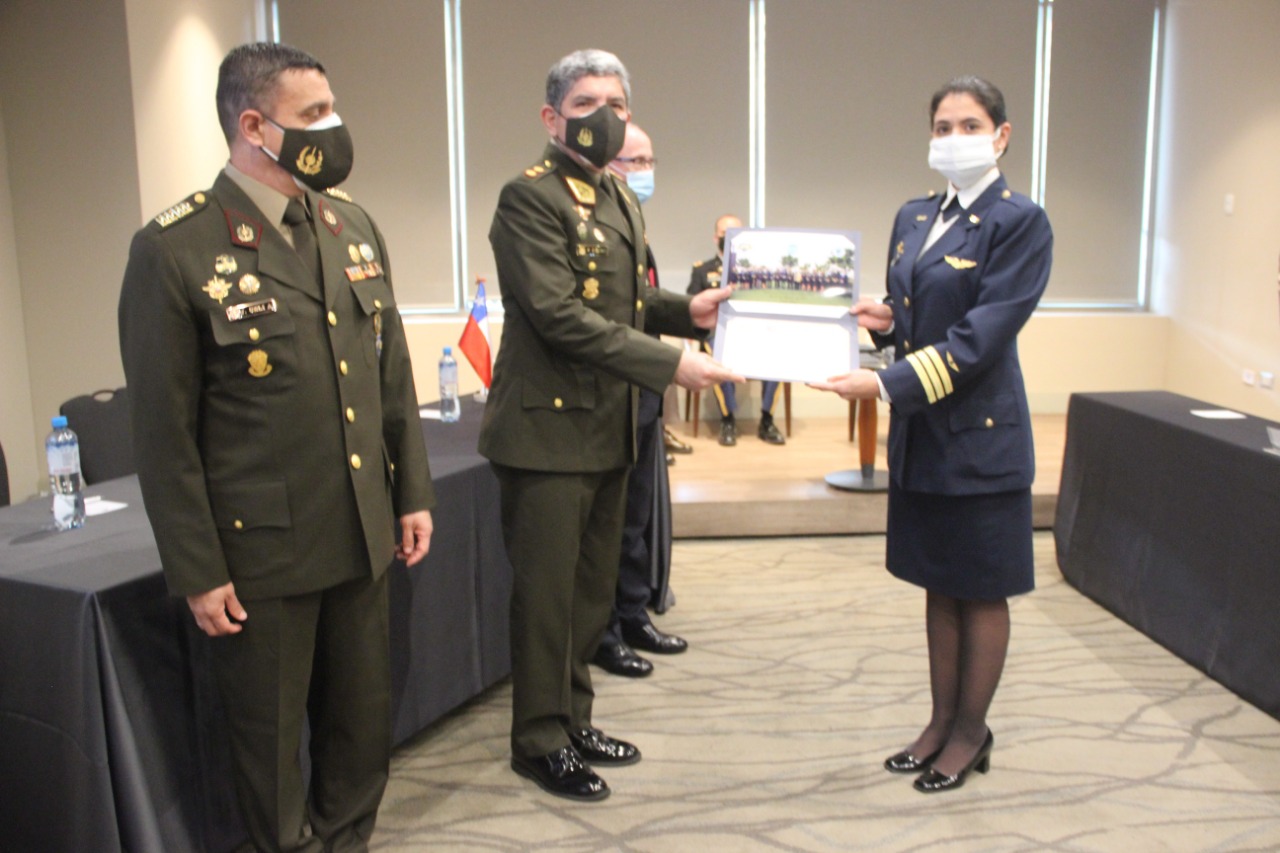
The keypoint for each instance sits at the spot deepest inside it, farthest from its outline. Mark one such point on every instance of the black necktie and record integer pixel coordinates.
(304, 239)
(951, 209)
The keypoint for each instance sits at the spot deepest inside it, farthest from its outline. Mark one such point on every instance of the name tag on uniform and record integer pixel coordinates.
(249, 310)
(592, 250)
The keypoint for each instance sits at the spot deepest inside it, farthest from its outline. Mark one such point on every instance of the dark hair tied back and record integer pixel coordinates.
(988, 97)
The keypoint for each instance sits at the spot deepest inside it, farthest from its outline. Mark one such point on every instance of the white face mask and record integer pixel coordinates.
(962, 158)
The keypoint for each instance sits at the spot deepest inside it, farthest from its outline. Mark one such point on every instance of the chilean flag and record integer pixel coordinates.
(474, 342)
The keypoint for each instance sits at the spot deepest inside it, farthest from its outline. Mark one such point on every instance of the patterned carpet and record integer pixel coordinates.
(806, 668)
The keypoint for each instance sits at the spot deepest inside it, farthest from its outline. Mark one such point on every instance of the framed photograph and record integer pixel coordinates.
(788, 319)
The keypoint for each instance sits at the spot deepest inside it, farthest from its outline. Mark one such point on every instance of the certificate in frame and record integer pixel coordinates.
(788, 319)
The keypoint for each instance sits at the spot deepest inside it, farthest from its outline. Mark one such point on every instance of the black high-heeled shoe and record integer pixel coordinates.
(933, 782)
(905, 762)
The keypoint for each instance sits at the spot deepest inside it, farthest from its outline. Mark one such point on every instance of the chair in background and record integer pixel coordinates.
(101, 422)
(693, 408)
(4, 479)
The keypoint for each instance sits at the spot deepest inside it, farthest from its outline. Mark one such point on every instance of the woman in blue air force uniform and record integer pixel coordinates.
(966, 270)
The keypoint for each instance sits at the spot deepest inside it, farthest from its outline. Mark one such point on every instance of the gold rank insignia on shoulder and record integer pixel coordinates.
(697, 264)
(259, 364)
(932, 193)
(1006, 194)
(178, 212)
(582, 191)
(337, 193)
(249, 310)
(959, 263)
(224, 265)
(217, 288)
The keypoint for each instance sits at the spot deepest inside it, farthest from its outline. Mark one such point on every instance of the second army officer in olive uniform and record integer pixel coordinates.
(559, 428)
(279, 447)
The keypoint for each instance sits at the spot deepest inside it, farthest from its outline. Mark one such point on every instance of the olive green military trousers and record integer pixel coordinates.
(322, 657)
(563, 534)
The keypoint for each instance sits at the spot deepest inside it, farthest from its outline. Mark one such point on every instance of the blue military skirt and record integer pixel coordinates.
(975, 547)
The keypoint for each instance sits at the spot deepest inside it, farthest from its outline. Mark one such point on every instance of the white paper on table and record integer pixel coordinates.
(786, 343)
(1218, 414)
(429, 414)
(95, 505)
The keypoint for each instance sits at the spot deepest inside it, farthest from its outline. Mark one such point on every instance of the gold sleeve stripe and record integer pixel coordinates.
(939, 388)
(922, 373)
(941, 368)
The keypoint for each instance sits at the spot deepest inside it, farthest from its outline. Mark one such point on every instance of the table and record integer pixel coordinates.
(111, 731)
(1172, 522)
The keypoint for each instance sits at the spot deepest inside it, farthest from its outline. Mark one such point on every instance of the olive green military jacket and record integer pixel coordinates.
(571, 263)
(275, 423)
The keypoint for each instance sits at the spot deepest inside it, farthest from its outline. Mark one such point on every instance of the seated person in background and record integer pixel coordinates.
(706, 274)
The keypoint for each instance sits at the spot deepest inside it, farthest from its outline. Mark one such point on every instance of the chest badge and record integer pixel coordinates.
(259, 364)
(590, 288)
(217, 288)
(959, 263)
(224, 265)
(249, 284)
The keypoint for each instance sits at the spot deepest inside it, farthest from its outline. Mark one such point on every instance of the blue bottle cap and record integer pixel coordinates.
(59, 421)
(448, 350)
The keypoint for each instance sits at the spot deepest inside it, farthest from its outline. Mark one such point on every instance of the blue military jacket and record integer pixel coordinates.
(960, 421)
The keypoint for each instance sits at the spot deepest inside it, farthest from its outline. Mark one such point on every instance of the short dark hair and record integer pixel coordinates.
(988, 97)
(248, 77)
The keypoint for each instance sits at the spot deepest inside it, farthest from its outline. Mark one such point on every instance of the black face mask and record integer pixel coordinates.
(597, 137)
(320, 158)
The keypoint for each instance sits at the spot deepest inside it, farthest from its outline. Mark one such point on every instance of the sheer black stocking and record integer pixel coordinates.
(968, 641)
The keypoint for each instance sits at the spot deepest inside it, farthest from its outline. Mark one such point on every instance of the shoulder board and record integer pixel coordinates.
(338, 194)
(181, 210)
(582, 192)
(697, 264)
(930, 196)
(537, 170)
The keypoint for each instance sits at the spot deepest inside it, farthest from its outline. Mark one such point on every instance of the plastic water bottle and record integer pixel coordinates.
(63, 450)
(450, 408)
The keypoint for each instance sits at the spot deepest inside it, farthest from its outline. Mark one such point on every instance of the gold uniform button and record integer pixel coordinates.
(333, 319)
(342, 367)
(639, 304)
(990, 423)
(239, 524)
(591, 265)
(558, 403)
(377, 303)
(355, 461)
(351, 415)
(393, 467)
(254, 335)
(639, 269)
(547, 163)
(906, 302)
(906, 344)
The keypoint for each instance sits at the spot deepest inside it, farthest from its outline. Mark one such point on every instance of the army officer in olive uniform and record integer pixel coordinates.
(569, 243)
(279, 446)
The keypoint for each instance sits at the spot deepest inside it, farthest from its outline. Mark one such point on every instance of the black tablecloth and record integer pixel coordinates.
(1172, 522)
(111, 734)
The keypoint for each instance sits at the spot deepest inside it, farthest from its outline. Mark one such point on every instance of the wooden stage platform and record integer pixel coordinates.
(757, 489)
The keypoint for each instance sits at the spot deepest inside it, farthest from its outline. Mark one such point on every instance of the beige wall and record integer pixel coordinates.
(1220, 129)
(17, 434)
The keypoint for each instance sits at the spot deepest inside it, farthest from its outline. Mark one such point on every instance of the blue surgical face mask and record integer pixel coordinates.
(641, 184)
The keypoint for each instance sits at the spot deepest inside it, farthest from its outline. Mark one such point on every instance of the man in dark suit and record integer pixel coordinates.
(560, 426)
(645, 546)
(279, 447)
(707, 275)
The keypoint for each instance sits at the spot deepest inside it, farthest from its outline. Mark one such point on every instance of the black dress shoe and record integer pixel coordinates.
(905, 762)
(933, 782)
(649, 639)
(673, 444)
(598, 748)
(728, 432)
(620, 659)
(562, 773)
(768, 432)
